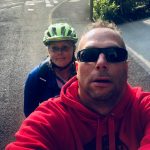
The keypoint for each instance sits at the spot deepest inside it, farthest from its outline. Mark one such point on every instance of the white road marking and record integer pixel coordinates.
(141, 58)
(31, 3)
(147, 21)
(55, 1)
(74, 1)
(54, 8)
(15, 7)
(11, 5)
(38, 1)
(30, 9)
(48, 4)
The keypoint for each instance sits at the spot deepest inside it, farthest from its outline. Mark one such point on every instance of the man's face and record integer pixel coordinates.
(61, 52)
(101, 80)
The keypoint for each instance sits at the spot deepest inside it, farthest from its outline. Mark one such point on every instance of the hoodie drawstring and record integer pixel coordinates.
(111, 134)
(99, 135)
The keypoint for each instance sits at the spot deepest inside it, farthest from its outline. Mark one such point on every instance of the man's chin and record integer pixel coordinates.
(101, 94)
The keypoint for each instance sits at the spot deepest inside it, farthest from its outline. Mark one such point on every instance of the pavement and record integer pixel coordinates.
(135, 35)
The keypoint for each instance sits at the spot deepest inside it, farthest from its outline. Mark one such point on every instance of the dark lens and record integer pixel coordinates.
(112, 54)
(88, 55)
(115, 54)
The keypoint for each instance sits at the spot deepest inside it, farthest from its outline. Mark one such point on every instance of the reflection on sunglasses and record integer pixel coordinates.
(112, 54)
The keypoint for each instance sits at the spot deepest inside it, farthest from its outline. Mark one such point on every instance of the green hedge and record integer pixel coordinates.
(120, 10)
(104, 9)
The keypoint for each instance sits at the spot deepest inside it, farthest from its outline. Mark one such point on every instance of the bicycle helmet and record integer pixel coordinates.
(59, 32)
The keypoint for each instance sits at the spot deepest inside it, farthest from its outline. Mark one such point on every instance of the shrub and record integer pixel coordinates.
(105, 10)
(120, 11)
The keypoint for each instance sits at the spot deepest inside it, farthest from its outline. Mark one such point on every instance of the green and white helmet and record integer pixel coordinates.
(59, 32)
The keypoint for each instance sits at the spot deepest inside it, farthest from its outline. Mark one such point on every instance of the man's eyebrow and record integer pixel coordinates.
(88, 47)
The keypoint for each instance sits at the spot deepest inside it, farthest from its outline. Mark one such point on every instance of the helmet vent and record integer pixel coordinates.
(54, 31)
(48, 34)
(63, 30)
(69, 32)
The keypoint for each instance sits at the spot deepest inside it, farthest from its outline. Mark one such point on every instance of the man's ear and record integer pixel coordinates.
(76, 65)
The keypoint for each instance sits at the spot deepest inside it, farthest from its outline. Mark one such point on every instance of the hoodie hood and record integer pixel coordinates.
(69, 94)
(102, 124)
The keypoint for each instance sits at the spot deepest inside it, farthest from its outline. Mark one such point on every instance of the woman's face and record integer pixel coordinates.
(61, 52)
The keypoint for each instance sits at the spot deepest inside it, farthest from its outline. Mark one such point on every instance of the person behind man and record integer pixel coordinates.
(97, 109)
(46, 80)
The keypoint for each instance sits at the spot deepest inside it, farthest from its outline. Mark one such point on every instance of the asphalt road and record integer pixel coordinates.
(22, 24)
(137, 36)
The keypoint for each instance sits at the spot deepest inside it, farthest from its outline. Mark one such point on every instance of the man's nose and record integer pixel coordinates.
(101, 62)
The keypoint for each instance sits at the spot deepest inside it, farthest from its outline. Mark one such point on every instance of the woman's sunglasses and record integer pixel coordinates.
(112, 54)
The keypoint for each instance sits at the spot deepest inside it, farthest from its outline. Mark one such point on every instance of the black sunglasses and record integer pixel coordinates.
(112, 54)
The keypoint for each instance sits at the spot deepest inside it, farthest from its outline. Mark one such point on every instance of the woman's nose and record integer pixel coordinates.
(101, 62)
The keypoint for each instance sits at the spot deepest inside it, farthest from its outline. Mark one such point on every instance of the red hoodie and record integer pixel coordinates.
(63, 123)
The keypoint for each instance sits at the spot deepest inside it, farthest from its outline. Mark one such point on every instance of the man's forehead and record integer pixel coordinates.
(101, 36)
(100, 33)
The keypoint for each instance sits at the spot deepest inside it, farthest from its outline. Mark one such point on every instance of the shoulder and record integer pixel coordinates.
(140, 95)
(145, 99)
(45, 67)
(142, 99)
(51, 104)
(32, 75)
(50, 111)
(40, 68)
(137, 97)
